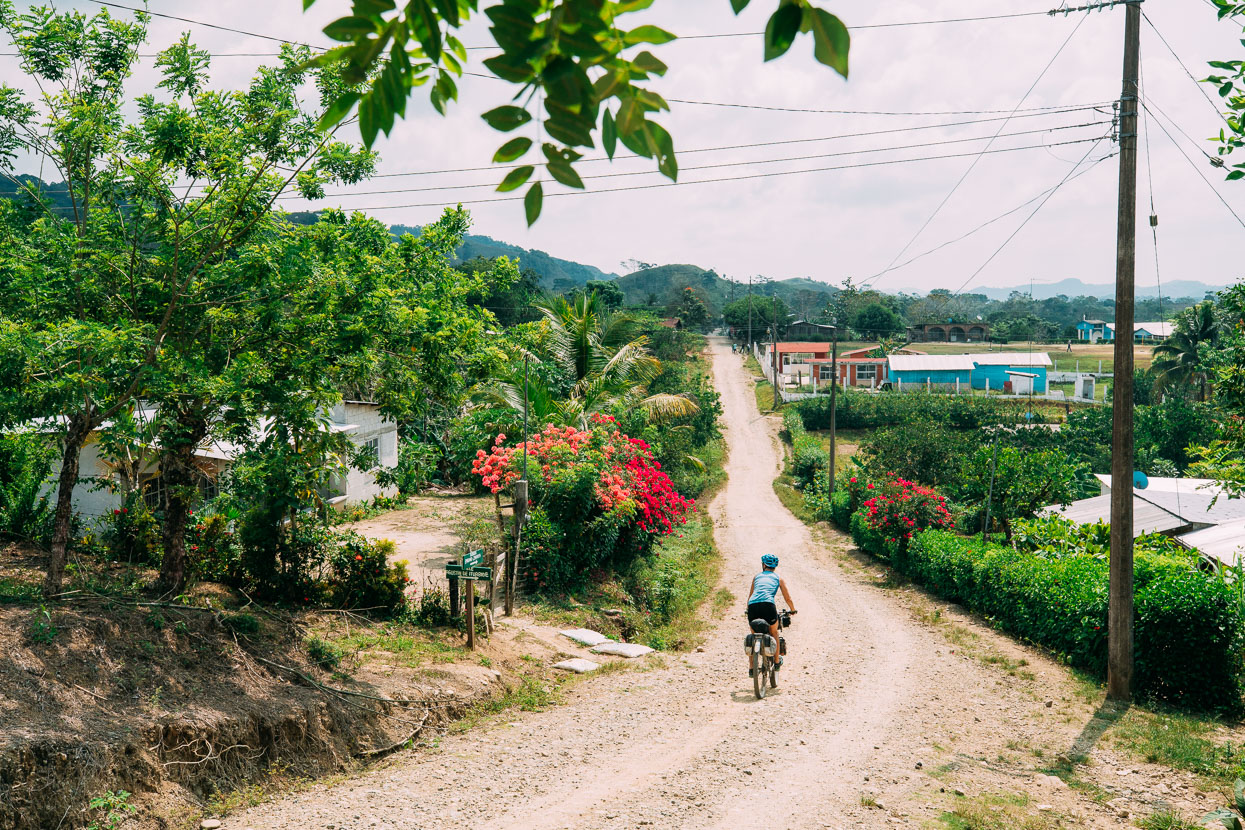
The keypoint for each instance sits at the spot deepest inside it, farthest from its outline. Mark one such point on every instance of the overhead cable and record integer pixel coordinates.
(975, 161)
(729, 163)
(1200, 86)
(1027, 219)
(1145, 103)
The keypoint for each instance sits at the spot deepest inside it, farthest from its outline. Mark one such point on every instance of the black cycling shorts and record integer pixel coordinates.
(767, 611)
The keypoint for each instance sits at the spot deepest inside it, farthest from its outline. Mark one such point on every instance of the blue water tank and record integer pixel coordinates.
(1140, 480)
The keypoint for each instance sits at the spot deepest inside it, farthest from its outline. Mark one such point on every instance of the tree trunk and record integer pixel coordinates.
(178, 473)
(79, 429)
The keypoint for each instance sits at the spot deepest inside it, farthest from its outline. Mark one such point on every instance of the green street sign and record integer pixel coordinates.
(475, 572)
(476, 557)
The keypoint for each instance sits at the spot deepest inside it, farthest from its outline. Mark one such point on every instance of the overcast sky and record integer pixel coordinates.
(841, 223)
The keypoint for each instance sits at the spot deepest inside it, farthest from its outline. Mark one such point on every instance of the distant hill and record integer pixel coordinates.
(557, 275)
(663, 284)
(1073, 287)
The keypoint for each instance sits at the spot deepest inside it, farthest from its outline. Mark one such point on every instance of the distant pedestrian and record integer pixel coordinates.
(1069, 345)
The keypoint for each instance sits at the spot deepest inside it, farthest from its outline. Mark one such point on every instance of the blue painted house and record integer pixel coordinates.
(1094, 331)
(953, 372)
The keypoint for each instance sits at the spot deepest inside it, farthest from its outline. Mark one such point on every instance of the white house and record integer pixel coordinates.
(98, 490)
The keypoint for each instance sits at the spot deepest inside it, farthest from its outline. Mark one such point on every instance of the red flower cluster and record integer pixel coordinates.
(627, 475)
(904, 508)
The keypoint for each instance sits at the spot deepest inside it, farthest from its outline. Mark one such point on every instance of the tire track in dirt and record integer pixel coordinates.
(866, 690)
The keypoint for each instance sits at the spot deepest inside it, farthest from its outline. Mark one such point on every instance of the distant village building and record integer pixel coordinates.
(1095, 331)
(949, 332)
(866, 368)
(1020, 373)
(98, 491)
(804, 330)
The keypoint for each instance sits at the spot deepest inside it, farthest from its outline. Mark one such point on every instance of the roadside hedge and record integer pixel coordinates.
(808, 456)
(1188, 636)
(868, 410)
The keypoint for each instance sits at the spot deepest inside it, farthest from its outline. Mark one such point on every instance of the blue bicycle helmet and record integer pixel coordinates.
(769, 560)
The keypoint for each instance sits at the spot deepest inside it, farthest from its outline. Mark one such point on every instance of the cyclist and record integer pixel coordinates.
(762, 593)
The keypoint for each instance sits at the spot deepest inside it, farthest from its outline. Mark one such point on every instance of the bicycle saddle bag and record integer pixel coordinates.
(760, 626)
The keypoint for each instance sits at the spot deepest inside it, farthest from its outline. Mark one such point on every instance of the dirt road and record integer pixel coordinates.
(877, 721)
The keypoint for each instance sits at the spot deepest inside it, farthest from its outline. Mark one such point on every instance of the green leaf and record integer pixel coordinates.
(507, 118)
(830, 39)
(1236, 174)
(307, 4)
(338, 110)
(1238, 795)
(663, 149)
(609, 134)
(348, 29)
(367, 8)
(564, 173)
(432, 42)
(648, 34)
(512, 149)
(739, 5)
(367, 120)
(516, 178)
(781, 30)
(646, 61)
(532, 203)
(449, 11)
(629, 116)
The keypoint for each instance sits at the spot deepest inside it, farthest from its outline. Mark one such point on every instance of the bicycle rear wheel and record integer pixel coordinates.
(773, 673)
(759, 670)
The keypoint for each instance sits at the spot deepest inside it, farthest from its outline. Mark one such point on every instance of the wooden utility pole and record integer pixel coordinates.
(749, 312)
(1120, 609)
(834, 393)
(773, 331)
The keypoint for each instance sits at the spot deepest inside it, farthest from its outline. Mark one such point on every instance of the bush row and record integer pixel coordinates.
(1188, 625)
(867, 410)
(808, 456)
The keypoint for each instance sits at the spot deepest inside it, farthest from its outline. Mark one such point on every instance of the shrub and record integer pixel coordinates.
(361, 576)
(417, 463)
(25, 464)
(323, 653)
(1018, 483)
(899, 509)
(868, 539)
(865, 410)
(213, 548)
(431, 609)
(925, 451)
(131, 533)
(603, 500)
(1189, 627)
(807, 454)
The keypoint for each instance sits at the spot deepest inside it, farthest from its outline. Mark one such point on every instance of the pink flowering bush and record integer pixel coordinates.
(599, 499)
(899, 509)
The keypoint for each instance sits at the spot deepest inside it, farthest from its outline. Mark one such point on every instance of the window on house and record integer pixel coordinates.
(370, 456)
(866, 371)
(825, 373)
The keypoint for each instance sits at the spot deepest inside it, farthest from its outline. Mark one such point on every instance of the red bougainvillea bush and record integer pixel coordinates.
(599, 500)
(898, 509)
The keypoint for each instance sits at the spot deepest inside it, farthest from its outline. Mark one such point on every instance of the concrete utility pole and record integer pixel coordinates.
(750, 312)
(1120, 608)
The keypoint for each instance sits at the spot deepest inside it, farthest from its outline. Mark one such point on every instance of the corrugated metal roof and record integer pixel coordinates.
(785, 348)
(1157, 329)
(1147, 517)
(1012, 359)
(930, 363)
(1196, 507)
(1225, 542)
(1159, 484)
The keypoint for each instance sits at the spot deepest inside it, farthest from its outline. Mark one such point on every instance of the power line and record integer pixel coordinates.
(1022, 225)
(975, 161)
(1145, 103)
(209, 25)
(730, 163)
(772, 174)
(767, 108)
(989, 222)
(1200, 86)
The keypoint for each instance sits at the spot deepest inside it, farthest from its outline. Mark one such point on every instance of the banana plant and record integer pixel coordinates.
(1230, 817)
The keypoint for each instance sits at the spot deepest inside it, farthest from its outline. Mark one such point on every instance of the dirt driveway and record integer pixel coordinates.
(887, 715)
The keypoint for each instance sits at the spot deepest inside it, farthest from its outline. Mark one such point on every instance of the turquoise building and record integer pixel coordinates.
(1026, 372)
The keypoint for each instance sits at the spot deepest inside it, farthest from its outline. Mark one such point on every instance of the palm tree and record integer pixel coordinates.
(606, 363)
(1177, 360)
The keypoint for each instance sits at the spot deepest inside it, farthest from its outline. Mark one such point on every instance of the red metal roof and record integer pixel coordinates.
(785, 348)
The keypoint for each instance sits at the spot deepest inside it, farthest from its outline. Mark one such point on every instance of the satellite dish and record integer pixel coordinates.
(1140, 480)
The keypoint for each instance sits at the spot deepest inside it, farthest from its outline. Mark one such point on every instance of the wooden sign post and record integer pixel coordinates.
(466, 572)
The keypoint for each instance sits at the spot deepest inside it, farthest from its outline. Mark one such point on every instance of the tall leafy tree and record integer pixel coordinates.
(1179, 361)
(575, 64)
(115, 297)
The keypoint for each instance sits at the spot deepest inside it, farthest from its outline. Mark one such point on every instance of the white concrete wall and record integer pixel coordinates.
(360, 485)
(90, 500)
